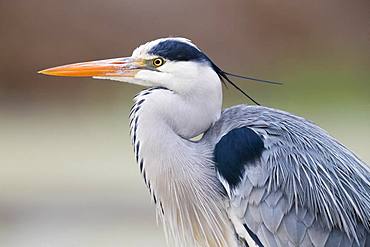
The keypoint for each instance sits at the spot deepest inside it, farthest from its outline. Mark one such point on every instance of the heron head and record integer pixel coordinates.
(173, 63)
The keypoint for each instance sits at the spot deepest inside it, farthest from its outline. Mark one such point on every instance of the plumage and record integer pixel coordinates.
(315, 185)
(257, 177)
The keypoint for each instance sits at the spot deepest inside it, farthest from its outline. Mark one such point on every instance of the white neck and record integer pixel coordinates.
(180, 173)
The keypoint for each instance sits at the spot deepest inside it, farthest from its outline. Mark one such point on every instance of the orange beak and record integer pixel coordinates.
(115, 67)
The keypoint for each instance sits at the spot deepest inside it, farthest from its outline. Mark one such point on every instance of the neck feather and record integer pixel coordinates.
(179, 173)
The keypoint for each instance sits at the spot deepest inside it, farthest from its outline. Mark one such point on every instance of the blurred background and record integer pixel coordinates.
(67, 173)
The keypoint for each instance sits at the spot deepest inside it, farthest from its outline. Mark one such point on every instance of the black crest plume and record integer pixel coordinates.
(224, 76)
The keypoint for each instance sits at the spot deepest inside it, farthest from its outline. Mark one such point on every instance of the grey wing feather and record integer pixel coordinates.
(307, 189)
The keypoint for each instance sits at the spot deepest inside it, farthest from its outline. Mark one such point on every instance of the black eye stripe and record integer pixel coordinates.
(175, 50)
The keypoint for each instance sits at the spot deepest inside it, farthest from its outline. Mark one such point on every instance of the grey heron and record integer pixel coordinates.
(257, 177)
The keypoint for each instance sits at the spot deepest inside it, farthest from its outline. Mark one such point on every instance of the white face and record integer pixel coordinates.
(180, 76)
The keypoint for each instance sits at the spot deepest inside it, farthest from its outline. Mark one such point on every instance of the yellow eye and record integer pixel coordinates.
(157, 62)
